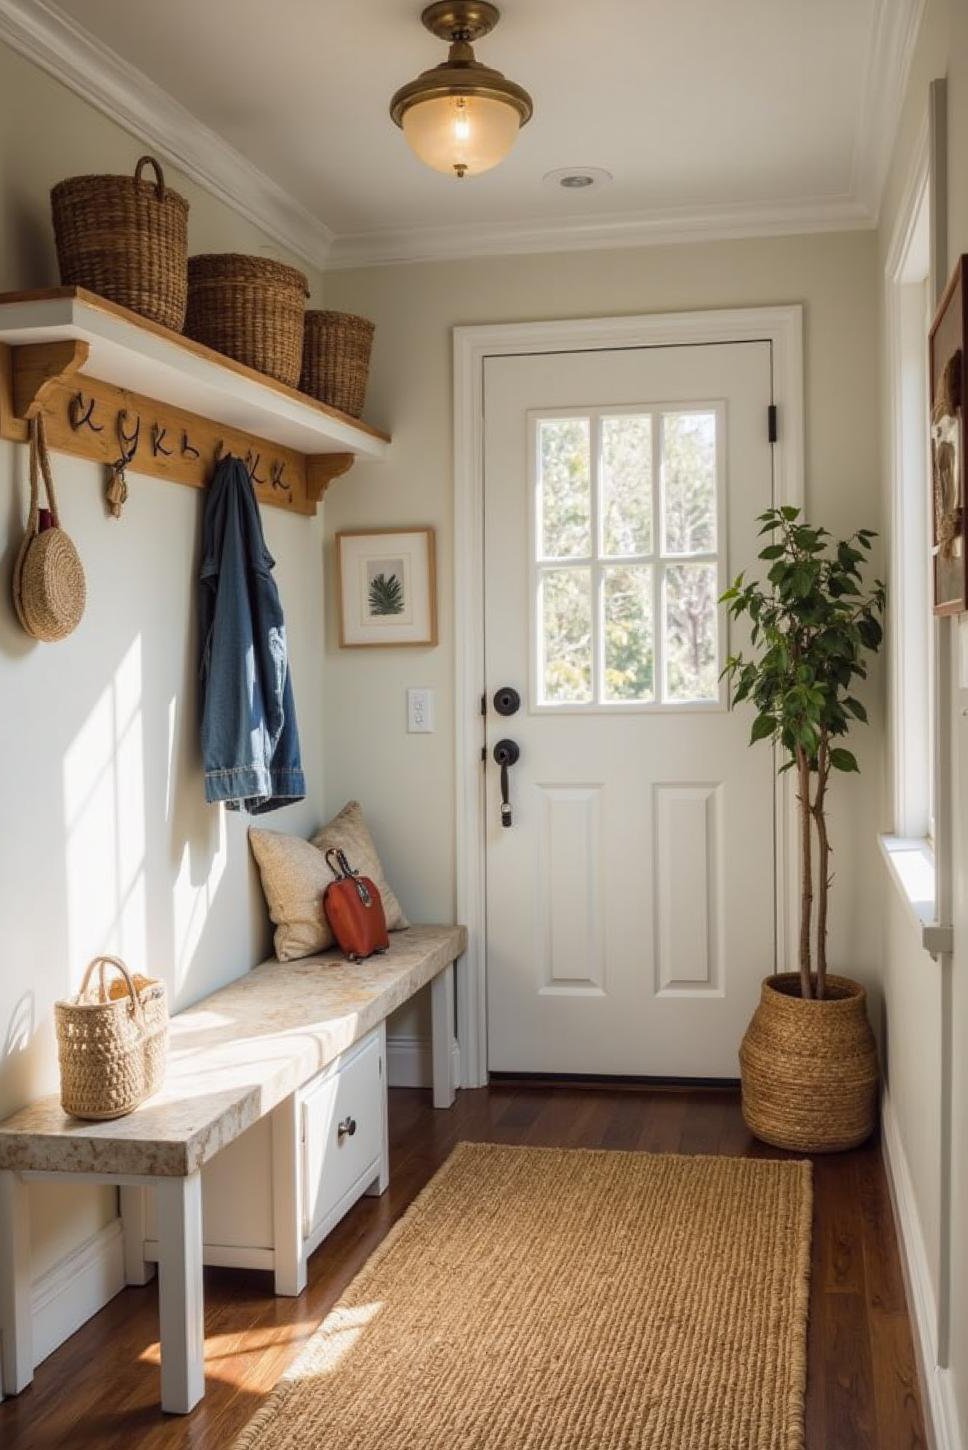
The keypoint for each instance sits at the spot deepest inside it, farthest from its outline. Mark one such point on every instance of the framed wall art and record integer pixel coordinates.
(387, 588)
(946, 351)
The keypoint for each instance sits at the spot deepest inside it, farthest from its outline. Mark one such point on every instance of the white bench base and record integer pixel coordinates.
(178, 1212)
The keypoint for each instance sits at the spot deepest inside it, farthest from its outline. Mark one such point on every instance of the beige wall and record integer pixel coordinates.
(108, 844)
(407, 781)
(927, 1003)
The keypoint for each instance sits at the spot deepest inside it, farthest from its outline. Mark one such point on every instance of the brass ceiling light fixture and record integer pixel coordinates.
(461, 117)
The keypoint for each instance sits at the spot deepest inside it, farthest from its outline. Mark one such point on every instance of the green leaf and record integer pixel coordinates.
(855, 708)
(773, 551)
(763, 726)
(843, 760)
(789, 512)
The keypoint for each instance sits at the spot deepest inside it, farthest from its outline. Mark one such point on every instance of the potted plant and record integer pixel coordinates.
(808, 1061)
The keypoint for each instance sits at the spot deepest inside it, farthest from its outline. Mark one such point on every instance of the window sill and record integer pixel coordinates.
(911, 865)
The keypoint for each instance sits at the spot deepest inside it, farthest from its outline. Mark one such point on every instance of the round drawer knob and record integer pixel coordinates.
(346, 1128)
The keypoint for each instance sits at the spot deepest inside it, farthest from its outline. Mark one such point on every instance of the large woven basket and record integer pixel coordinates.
(126, 239)
(251, 309)
(336, 359)
(111, 1042)
(809, 1068)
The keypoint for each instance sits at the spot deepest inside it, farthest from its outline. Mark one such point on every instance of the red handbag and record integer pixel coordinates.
(354, 910)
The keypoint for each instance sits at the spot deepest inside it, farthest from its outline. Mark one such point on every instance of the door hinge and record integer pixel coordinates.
(771, 423)
(484, 753)
(484, 704)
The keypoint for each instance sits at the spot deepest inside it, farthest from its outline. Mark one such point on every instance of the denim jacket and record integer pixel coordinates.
(250, 743)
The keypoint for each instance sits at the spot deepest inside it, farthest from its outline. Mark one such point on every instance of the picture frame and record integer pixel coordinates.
(387, 586)
(948, 438)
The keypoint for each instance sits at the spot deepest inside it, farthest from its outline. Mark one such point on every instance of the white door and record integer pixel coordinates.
(630, 901)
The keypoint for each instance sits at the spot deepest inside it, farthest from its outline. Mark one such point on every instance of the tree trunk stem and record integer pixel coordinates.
(806, 868)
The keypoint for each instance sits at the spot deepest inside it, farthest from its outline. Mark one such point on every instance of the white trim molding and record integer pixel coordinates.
(894, 35)
(668, 226)
(782, 327)
(46, 36)
(940, 1407)
(77, 1286)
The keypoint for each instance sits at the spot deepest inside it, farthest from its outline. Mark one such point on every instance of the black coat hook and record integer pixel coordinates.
(186, 448)
(81, 416)
(158, 434)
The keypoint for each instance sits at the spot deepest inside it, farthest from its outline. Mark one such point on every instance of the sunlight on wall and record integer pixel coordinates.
(193, 892)
(104, 821)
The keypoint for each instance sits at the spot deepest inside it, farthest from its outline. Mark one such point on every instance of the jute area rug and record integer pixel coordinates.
(555, 1299)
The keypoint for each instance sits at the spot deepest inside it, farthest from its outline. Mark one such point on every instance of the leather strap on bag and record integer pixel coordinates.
(343, 871)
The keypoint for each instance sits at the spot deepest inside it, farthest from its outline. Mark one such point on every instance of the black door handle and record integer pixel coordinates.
(506, 753)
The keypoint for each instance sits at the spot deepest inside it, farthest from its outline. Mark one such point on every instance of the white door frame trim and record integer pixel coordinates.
(780, 326)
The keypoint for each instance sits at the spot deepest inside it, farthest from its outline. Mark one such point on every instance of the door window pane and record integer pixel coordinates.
(629, 643)
(566, 626)
(688, 483)
(564, 488)
(691, 653)
(627, 484)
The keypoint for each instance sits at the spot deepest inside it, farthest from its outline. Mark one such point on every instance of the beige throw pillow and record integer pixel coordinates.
(295, 875)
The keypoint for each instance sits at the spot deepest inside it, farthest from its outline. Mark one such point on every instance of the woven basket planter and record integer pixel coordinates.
(336, 359)
(112, 1043)
(809, 1069)
(250, 309)
(125, 239)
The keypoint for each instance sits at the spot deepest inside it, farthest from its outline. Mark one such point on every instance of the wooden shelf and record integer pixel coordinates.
(65, 342)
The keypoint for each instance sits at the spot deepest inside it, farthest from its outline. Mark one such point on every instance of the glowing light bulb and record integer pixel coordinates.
(462, 123)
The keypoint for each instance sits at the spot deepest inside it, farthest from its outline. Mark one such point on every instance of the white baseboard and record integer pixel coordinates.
(76, 1287)
(940, 1407)
(410, 1062)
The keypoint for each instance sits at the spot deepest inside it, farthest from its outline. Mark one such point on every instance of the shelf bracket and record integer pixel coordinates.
(39, 368)
(322, 468)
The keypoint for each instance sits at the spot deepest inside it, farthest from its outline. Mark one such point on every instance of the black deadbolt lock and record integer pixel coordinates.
(507, 701)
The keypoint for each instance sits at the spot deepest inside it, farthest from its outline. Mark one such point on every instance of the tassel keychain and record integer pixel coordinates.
(116, 493)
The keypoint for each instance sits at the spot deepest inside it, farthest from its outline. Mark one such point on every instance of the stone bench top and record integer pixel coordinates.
(233, 1057)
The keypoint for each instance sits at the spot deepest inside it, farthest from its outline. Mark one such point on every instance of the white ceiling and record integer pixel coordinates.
(715, 117)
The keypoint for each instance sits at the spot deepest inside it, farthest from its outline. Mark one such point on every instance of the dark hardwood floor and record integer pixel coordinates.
(100, 1389)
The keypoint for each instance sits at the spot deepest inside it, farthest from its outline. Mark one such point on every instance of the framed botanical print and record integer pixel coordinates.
(946, 348)
(387, 588)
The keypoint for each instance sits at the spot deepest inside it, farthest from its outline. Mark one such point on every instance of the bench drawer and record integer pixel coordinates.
(342, 1131)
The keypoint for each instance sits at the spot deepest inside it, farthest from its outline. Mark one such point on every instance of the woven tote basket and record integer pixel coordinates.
(250, 309)
(111, 1042)
(49, 588)
(126, 239)
(809, 1068)
(336, 359)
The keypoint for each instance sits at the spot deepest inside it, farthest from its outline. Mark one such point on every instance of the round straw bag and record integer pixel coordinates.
(49, 590)
(111, 1042)
(249, 308)
(336, 359)
(126, 239)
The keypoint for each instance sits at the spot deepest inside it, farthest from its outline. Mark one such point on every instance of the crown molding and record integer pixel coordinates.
(616, 230)
(41, 32)
(894, 35)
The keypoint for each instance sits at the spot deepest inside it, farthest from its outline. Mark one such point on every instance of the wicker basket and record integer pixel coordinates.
(111, 1045)
(49, 588)
(126, 239)
(809, 1068)
(249, 308)
(336, 359)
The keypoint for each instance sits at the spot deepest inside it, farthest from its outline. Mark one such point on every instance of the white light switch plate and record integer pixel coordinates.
(420, 711)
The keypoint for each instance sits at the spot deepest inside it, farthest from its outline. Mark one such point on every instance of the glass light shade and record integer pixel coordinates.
(461, 134)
